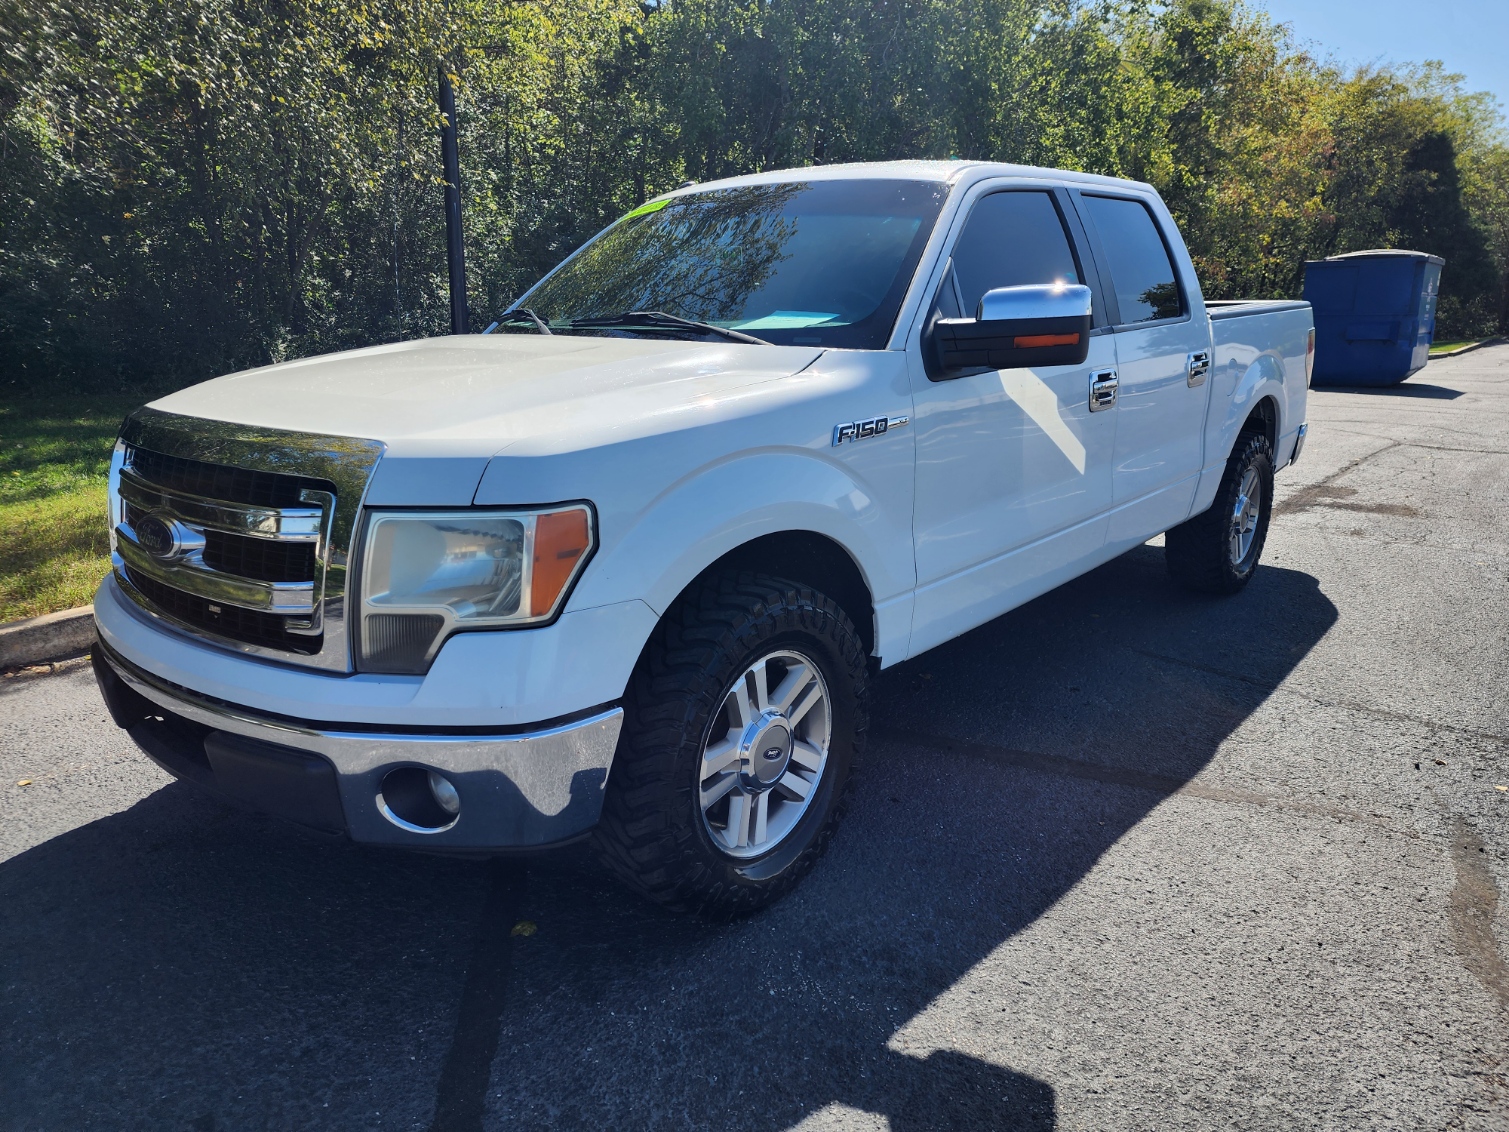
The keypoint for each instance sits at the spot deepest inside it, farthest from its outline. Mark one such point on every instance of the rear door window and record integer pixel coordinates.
(1147, 288)
(1011, 239)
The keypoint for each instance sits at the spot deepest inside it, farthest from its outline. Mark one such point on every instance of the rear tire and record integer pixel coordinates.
(742, 722)
(1217, 551)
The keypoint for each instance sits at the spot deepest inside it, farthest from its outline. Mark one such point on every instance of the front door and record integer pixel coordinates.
(1163, 392)
(1013, 467)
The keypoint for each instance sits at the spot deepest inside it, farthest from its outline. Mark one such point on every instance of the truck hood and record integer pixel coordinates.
(469, 397)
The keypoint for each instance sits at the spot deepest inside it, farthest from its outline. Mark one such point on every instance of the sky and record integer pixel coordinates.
(1470, 36)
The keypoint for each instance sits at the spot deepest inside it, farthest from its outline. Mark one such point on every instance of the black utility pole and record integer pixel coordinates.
(455, 254)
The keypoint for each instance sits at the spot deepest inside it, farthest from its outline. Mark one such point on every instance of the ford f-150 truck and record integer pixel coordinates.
(624, 565)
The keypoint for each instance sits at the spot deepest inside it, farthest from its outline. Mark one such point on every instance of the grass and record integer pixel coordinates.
(1443, 347)
(54, 459)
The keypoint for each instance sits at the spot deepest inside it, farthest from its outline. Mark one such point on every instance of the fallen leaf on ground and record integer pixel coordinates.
(525, 928)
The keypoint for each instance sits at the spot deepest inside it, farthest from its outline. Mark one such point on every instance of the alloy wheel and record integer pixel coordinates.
(765, 754)
(1244, 517)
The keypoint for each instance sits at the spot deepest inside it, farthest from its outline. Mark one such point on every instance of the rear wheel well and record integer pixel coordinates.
(813, 560)
(1264, 420)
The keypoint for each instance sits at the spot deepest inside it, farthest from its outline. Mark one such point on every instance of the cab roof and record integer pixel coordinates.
(955, 172)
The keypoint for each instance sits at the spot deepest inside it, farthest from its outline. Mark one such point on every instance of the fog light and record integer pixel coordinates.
(419, 800)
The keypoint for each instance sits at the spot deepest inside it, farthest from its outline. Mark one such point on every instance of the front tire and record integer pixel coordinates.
(1218, 550)
(742, 722)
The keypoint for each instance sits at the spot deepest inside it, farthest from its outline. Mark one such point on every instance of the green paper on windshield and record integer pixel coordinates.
(646, 208)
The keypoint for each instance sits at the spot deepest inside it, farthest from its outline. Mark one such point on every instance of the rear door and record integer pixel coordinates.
(1162, 356)
(1013, 469)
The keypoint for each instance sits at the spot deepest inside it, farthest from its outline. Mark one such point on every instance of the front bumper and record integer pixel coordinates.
(498, 681)
(519, 789)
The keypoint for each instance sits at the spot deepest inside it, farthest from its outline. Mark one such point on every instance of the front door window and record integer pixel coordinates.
(1012, 239)
(1013, 470)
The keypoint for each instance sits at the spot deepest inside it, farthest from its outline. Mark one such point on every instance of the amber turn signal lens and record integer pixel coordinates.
(560, 540)
(1030, 341)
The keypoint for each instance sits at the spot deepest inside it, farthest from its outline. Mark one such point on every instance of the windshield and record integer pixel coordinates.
(806, 263)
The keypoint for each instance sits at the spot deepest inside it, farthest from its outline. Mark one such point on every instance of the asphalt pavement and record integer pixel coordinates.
(1122, 859)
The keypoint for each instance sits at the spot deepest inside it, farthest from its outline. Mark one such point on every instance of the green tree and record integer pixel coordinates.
(194, 187)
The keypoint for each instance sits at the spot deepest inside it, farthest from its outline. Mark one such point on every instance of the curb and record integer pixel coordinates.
(52, 636)
(1471, 347)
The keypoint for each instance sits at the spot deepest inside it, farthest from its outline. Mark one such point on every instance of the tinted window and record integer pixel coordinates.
(1011, 239)
(821, 263)
(1146, 287)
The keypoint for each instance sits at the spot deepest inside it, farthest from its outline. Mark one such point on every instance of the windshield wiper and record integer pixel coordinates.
(661, 320)
(521, 314)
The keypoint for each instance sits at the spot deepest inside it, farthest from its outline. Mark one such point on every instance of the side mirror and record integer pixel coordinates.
(1039, 325)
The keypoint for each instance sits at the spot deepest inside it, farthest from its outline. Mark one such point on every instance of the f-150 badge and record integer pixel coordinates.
(859, 430)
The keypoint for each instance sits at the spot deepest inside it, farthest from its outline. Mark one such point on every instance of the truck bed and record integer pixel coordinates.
(1254, 339)
(1220, 309)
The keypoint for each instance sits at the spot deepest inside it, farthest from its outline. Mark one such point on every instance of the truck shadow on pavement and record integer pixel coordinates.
(1403, 389)
(181, 965)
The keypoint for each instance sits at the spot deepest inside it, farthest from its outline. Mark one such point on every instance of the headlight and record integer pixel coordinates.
(427, 574)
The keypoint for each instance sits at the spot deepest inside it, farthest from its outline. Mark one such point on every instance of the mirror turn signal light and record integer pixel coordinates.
(1033, 341)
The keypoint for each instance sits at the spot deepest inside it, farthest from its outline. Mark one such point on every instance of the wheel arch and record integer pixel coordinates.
(1256, 403)
(1253, 405)
(810, 558)
(1263, 418)
(806, 517)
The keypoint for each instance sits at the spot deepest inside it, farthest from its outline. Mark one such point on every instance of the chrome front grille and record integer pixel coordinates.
(233, 553)
(226, 622)
(264, 559)
(216, 481)
(185, 562)
(239, 535)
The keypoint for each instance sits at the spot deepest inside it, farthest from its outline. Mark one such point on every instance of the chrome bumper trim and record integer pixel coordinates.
(136, 604)
(285, 524)
(516, 790)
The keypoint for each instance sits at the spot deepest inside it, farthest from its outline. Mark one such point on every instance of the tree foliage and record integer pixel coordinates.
(194, 187)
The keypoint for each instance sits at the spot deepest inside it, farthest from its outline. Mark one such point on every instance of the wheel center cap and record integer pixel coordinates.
(765, 750)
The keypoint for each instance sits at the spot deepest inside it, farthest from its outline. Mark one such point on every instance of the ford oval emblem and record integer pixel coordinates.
(156, 537)
(771, 754)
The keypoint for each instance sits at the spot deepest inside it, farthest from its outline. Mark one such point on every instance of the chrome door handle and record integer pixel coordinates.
(1103, 386)
(1199, 366)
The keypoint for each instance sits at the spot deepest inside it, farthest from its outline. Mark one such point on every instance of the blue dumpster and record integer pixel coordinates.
(1375, 315)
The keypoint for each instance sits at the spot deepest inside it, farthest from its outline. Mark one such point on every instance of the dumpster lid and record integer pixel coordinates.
(1382, 252)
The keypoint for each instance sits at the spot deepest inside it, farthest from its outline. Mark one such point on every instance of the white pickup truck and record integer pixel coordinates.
(624, 565)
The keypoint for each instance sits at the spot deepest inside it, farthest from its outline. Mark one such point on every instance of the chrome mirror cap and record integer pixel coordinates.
(1037, 300)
